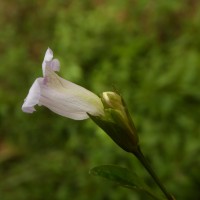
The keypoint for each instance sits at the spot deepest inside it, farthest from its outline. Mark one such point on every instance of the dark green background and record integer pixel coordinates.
(148, 50)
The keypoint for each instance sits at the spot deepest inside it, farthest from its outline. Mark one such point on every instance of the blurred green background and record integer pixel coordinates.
(148, 50)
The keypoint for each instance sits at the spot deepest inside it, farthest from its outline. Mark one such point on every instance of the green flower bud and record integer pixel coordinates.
(116, 122)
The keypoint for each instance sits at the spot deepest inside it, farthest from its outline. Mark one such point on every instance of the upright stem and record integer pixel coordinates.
(138, 153)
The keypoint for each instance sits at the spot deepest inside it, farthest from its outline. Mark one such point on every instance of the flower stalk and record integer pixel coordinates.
(140, 156)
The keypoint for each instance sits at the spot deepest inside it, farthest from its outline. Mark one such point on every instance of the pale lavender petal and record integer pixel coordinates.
(48, 55)
(68, 99)
(33, 97)
(48, 62)
(47, 58)
(58, 103)
(53, 64)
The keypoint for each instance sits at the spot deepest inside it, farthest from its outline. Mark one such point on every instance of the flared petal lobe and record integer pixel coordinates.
(48, 61)
(33, 97)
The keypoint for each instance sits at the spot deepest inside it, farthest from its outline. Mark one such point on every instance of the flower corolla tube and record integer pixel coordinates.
(61, 96)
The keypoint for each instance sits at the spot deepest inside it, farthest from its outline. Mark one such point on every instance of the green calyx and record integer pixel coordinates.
(116, 122)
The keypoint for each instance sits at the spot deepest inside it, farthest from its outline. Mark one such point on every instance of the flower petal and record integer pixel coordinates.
(48, 62)
(47, 58)
(68, 99)
(54, 64)
(33, 97)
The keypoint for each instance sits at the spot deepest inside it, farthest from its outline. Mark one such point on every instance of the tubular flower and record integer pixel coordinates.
(73, 101)
(61, 96)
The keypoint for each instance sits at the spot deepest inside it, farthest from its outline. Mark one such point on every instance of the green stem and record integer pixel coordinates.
(138, 153)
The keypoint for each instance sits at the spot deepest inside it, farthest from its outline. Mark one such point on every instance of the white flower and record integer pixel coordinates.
(61, 96)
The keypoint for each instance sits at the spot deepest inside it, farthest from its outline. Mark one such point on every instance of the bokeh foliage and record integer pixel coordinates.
(148, 50)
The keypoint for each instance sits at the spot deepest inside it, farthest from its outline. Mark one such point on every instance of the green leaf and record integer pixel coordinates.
(123, 177)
